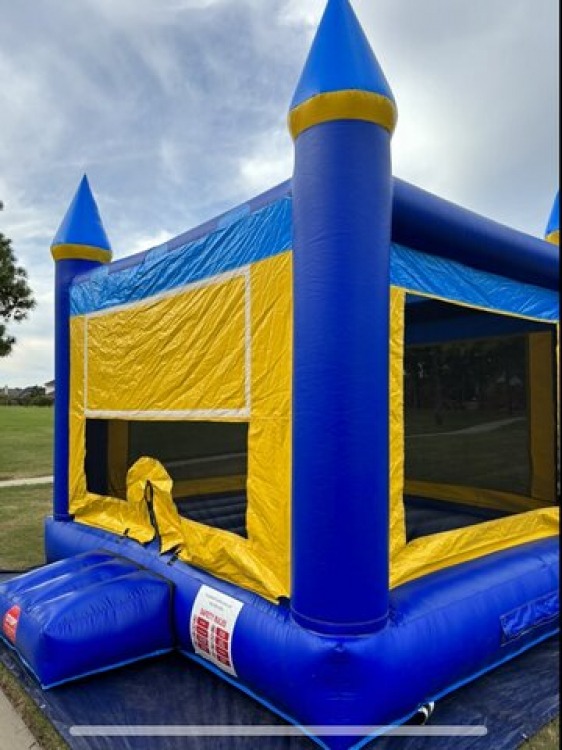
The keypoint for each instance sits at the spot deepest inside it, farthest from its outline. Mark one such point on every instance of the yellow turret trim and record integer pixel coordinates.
(343, 105)
(80, 252)
(553, 237)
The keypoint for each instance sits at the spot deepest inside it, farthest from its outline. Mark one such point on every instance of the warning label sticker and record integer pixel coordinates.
(213, 619)
(10, 623)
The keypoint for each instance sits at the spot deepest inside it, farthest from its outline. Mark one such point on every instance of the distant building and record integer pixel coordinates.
(33, 394)
(10, 393)
(49, 388)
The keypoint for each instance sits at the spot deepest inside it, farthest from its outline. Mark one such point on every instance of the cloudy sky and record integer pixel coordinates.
(176, 110)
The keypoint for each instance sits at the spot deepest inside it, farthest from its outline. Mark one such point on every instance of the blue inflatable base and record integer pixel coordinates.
(514, 702)
(498, 607)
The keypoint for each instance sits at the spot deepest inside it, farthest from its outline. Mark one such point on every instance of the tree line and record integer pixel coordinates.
(16, 297)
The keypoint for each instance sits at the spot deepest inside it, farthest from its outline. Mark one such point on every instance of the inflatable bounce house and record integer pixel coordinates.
(311, 444)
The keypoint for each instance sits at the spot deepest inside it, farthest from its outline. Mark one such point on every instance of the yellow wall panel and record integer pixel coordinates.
(397, 534)
(269, 471)
(226, 346)
(180, 353)
(260, 563)
(77, 438)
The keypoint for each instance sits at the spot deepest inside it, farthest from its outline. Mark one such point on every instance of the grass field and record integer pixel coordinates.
(22, 512)
(26, 436)
(547, 739)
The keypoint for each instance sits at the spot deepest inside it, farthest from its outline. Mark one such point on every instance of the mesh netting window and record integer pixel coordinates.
(208, 462)
(466, 397)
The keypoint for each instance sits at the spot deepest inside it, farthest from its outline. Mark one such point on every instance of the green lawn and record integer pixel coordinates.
(547, 739)
(26, 435)
(22, 511)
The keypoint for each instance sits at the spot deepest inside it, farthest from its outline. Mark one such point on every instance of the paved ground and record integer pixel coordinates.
(14, 735)
(25, 482)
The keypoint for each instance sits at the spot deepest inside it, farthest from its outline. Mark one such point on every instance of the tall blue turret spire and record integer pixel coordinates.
(341, 119)
(552, 233)
(81, 234)
(342, 78)
(80, 244)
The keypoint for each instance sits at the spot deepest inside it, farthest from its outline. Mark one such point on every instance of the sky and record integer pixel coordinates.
(176, 110)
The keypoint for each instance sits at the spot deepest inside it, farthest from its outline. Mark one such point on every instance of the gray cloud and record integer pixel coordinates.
(176, 109)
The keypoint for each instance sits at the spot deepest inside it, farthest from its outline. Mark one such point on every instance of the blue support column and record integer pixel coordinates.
(341, 118)
(79, 245)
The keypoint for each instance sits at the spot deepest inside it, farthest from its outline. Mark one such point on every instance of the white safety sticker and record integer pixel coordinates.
(213, 619)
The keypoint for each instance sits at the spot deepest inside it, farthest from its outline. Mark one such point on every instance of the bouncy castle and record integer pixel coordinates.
(311, 444)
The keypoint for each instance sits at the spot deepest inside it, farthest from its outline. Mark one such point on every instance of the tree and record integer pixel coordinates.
(16, 298)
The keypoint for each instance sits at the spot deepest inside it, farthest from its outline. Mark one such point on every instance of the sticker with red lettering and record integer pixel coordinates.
(213, 618)
(10, 623)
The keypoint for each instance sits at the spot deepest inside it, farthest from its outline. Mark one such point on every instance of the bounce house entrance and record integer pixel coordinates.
(207, 461)
(479, 416)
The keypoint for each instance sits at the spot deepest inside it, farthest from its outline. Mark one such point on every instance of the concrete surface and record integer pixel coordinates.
(25, 482)
(14, 735)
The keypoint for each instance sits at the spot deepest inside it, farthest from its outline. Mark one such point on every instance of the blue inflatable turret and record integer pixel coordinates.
(552, 233)
(79, 245)
(341, 118)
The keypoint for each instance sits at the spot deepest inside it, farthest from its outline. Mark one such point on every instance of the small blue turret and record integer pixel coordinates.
(81, 235)
(341, 118)
(552, 233)
(80, 244)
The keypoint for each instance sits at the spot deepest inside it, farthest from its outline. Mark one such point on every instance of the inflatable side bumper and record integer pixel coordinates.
(443, 630)
(85, 614)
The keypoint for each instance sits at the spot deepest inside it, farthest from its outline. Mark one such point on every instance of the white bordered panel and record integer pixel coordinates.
(110, 407)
